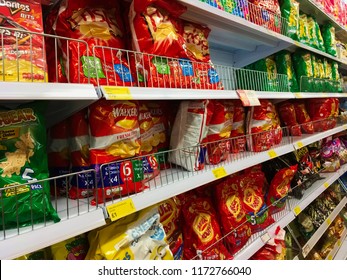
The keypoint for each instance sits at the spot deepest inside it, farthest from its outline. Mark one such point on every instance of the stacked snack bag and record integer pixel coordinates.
(23, 57)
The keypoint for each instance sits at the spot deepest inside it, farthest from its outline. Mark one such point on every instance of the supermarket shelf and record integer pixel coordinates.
(307, 139)
(61, 100)
(143, 93)
(246, 40)
(342, 252)
(312, 8)
(283, 218)
(306, 249)
(337, 246)
(304, 95)
(77, 217)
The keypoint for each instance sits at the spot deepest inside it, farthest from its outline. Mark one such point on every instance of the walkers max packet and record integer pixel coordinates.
(99, 60)
(23, 161)
(115, 137)
(22, 54)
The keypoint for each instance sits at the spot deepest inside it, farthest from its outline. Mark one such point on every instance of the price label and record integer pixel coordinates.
(117, 93)
(298, 95)
(219, 172)
(265, 238)
(121, 209)
(339, 243)
(345, 126)
(330, 257)
(328, 221)
(248, 97)
(299, 145)
(272, 154)
(296, 43)
(305, 250)
(326, 185)
(297, 210)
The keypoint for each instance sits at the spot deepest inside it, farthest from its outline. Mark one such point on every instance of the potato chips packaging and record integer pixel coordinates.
(290, 11)
(287, 114)
(285, 66)
(23, 161)
(75, 248)
(59, 157)
(82, 184)
(328, 33)
(22, 55)
(237, 142)
(189, 132)
(100, 25)
(201, 230)
(219, 129)
(115, 136)
(139, 236)
(302, 117)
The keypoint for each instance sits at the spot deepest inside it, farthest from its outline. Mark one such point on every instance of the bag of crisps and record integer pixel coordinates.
(290, 11)
(188, 134)
(287, 114)
(100, 25)
(82, 184)
(219, 129)
(260, 125)
(39, 255)
(139, 236)
(75, 248)
(155, 28)
(303, 29)
(302, 116)
(59, 157)
(114, 140)
(201, 230)
(236, 7)
(170, 218)
(23, 161)
(285, 66)
(161, 129)
(302, 62)
(238, 142)
(251, 186)
(268, 65)
(232, 211)
(328, 33)
(266, 13)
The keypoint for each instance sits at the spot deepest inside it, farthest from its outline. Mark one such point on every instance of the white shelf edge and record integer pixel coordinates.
(342, 252)
(337, 246)
(20, 245)
(304, 95)
(47, 91)
(321, 230)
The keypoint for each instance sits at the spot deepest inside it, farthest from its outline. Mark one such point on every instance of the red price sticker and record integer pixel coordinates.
(248, 97)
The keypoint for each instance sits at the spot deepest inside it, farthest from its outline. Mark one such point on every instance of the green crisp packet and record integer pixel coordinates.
(285, 66)
(23, 160)
(329, 38)
(270, 81)
(290, 11)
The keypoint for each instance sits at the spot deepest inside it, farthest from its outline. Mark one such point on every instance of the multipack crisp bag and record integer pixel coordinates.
(238, 130)
(23, 161)
(114, 140)
(100, 26)
(22, 54)
(139, 236)
(189, 131)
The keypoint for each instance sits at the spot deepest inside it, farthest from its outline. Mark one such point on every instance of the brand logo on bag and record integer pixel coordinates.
(123, 112)
(16, 116)
(15, 7)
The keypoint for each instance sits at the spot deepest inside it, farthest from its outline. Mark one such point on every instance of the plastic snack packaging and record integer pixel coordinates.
(43, 254)
(23, 161)
(201, 230)
(312, 32)
(302, 117)
(302, 62)
(82, 184)
(287, 114)
(228, 197)
(266, 13)
(22, 54)
(303, 29)
(139, 236)
(99, 60)
(236, 7)
(188, 134)
(320, 40)
(219, 129)
(328, 33)
(114, 139)
(290, 11)
(285, 66)
(237, 142)
(59, 157)
(260, 126)
(269, 81)
(171, 219)
(75, 248)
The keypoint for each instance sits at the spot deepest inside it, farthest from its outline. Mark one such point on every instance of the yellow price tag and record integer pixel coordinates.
(219, 172)
(339, 243)
(330, 257)
(297, 210)
(117, 93)
(296, 43)
(326, 185)
(272, 154)
(298, 95)
(345, 126)
(299, 145)
(328, 221)
(121, 209)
